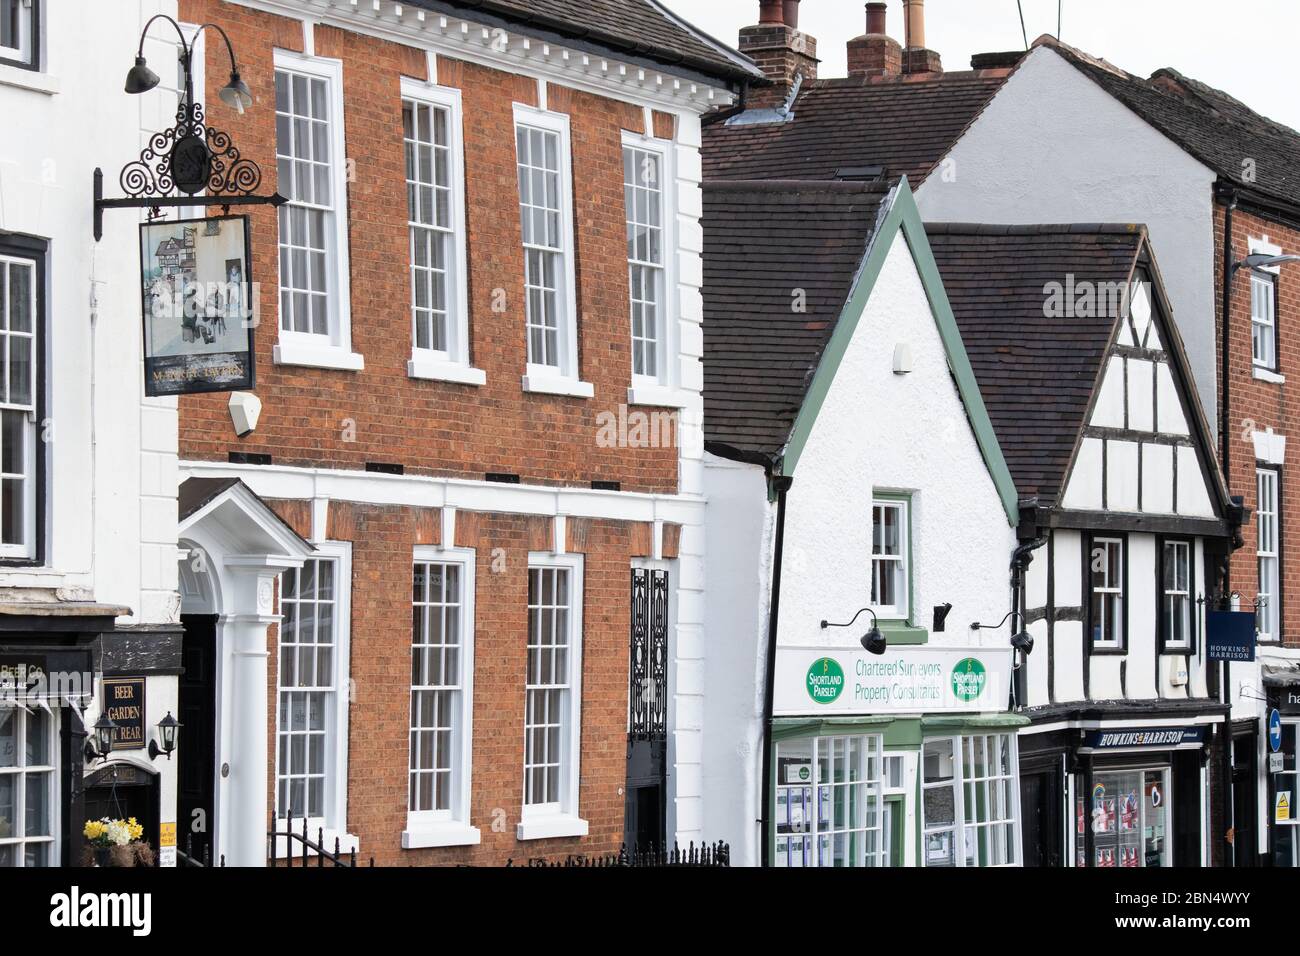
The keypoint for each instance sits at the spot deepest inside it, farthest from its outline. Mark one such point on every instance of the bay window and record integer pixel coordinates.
(1268, 524)
(552, 697)
(28, 787)
(830, 802)
(1106, 577)
(970, 801)
(20, 454)
(435, 197)
(544, 165)
(312, 695)
(314, 290)
(1176, 617)
(442, 669)
(890, 558)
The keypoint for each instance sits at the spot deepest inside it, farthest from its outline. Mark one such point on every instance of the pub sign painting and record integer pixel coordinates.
(196, 290)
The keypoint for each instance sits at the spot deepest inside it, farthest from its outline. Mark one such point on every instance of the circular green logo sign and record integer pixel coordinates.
(825, 680)
(968, 679)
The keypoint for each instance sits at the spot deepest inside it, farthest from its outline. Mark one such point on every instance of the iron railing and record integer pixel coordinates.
(300, 839)
(705, 855)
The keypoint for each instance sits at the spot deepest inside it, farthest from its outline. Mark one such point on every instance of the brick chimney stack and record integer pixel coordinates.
(916, 57)
(875, 53)
(780, 50)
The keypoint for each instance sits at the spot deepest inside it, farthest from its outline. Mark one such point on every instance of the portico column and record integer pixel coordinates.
(245, 705)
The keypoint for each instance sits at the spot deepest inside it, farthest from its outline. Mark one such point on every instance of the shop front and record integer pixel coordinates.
(904, 759)
(1136, 792)
(1283, 774)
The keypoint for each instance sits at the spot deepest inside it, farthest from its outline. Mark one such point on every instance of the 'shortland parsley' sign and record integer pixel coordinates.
(905, 680)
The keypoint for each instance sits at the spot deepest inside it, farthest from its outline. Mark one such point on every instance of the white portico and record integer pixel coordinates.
(233, 549)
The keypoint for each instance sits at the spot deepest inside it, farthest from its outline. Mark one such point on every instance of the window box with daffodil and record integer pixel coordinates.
(117, 843)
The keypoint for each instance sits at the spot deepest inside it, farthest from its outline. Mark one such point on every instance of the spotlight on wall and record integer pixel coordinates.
(940, 617)
(873, 641)
(1023, 642)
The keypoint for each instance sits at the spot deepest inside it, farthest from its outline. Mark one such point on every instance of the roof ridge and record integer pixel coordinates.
(1035, 229)
(793, 186)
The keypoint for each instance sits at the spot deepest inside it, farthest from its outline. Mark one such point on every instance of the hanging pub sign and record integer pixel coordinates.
(124, 705)
(1230, 636)
(197, 301)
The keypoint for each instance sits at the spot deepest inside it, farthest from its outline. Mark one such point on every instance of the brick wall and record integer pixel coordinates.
(1256, 405)
(343, 419)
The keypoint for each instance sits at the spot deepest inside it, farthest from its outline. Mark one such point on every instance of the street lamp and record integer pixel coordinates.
(1262, 260)
(141, 79)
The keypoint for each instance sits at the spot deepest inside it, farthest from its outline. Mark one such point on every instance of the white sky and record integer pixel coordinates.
(1247, 49)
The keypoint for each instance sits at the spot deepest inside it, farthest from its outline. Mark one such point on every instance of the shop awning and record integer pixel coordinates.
(1281, 675)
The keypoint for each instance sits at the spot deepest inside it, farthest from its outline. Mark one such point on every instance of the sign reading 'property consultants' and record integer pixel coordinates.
(905, 680)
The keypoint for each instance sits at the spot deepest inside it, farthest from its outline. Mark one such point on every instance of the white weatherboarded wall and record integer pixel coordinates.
(1052, 147)
(888, 432)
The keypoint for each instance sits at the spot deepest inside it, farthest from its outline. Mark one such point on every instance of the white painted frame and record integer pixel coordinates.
(900, 611)
(876, 788)
(1187, 593)
(959, 783)
(23, 54)
(1113, 588)
(1268, 547)
(544, 821)
(31, 473)
(453, 363)
(53, 772)
(656, 389)
(333, 350)
(432, 828)
(564, 379)
(335, 819)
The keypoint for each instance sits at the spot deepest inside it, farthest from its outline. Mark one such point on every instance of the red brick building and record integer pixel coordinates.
(475, 464)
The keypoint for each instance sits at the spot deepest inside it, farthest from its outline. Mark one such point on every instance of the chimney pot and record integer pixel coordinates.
(791, 12)
(914, 16)
(771, 11)
(876, 13)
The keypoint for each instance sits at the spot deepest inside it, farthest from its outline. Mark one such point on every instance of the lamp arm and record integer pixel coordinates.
(826, 624)
(234, 68)
(977, 626)
(179, 32)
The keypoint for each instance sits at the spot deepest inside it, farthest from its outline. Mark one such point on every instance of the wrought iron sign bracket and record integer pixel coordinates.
(158, 203)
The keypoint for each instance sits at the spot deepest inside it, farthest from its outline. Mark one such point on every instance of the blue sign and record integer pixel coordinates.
(1275, 730)
(1230, 635)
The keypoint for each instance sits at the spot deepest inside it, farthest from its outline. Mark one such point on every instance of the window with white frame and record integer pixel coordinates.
(1176, 607)
(19, 32)
(552, 687)
(311, 722)
(545, 210)
(314, 308)
(1106, 592)
(1263, 319)
(435, 183)
(442, 667)
(890, 558)
(643, 197)
(28, 787)
(18, 406)
(829, 802)
(970, 801)
(1268, 520)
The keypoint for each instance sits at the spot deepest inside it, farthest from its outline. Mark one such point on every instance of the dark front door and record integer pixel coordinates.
(1040, 806)
(196, 750)
(644, 822)
(1245, 812)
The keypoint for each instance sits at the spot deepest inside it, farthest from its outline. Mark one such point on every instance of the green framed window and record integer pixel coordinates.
(891, 557)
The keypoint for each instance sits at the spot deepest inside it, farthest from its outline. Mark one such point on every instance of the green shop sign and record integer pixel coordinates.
(825, 680)
(968, 679)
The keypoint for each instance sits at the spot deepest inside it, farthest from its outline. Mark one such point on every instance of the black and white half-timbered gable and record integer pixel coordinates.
(1125, 526)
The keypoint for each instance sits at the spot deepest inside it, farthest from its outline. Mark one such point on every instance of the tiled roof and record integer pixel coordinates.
(905, 124)
(764, 241)
(1219, 130)
(1036, 374)
(636, 27)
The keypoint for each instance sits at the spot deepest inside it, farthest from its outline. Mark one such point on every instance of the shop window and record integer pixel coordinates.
(1176, 596)
(829, 802)
(1283, 812)
(28, 787)
(970, 801)
(1129, 819)
(1106, 576)
(890, 559)
(1268, 524)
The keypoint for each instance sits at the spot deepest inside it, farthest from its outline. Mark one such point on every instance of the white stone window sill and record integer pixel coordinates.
(315, 356)
(440, 370)
(348, 842)
(420, 836)
(660, 395)
(1265, 375)
(558, 385)
(550, 826)
(33, 80)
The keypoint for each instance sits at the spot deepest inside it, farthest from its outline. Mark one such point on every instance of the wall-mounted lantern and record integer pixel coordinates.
(168, 728)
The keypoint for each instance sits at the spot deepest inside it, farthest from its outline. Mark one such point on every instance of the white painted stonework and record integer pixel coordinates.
(1053, 147)
(876, 431)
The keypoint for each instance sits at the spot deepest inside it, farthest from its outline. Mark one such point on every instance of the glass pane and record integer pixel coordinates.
(38, 733)
(8, 737)
(37, 804)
